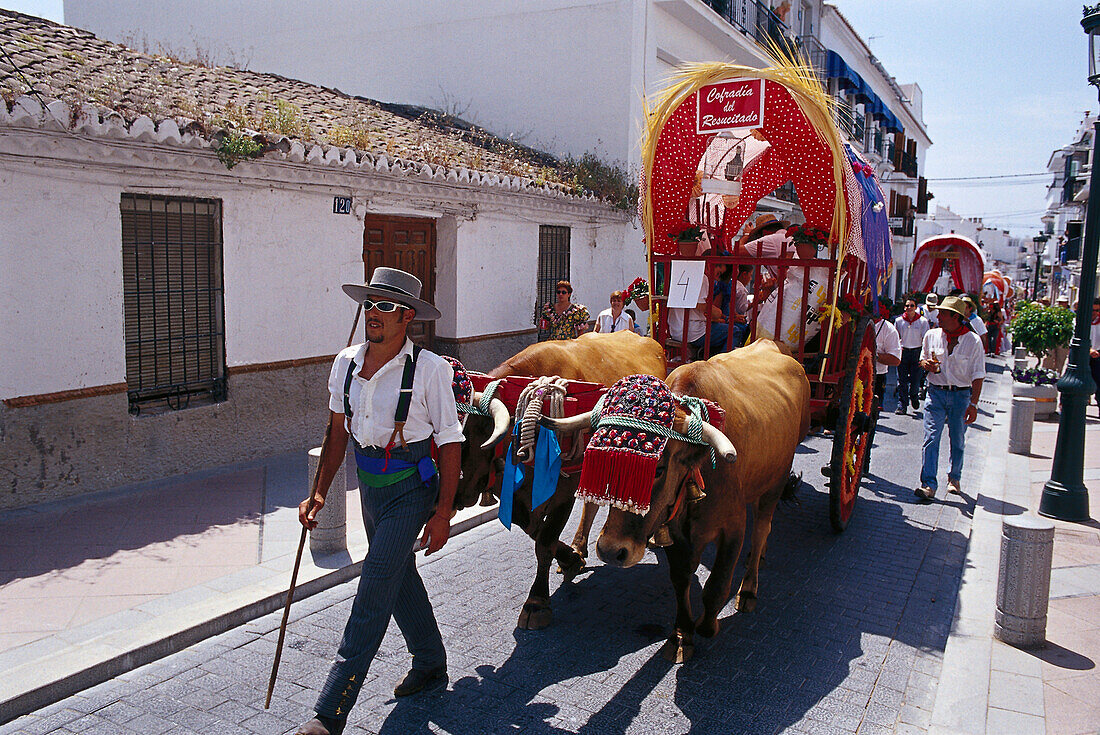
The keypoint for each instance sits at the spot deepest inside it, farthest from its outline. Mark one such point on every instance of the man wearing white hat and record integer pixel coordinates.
(393, 399)
(930, 310)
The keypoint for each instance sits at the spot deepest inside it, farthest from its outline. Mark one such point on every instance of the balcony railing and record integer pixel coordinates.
(859, 130)
(815, 53)
(906, 163)
(1072, 188)
(754, 19)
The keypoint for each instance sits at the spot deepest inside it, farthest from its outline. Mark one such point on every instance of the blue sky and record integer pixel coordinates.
(1004, 84)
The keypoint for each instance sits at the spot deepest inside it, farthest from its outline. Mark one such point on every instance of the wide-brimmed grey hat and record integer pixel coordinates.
(390, 284)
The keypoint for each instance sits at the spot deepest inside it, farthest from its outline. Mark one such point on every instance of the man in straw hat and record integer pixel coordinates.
(954, 359)
(974, 319)
(392, 398)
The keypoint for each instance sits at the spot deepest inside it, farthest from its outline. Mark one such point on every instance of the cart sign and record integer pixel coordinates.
(728, 105)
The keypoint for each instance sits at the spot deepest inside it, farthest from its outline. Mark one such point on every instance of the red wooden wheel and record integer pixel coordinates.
(851, 443)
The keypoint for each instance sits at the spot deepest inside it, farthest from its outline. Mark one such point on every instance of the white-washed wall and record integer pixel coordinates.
(284, 257)
(60, 288)
(498, 269)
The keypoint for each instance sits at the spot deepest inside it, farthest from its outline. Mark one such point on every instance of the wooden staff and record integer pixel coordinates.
(301, 548)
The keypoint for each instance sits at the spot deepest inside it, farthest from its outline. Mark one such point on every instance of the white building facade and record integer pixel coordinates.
(883, 121)
(161, 313)
(1064, 220)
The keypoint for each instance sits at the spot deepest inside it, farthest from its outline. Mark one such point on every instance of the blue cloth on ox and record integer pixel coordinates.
(547, 467)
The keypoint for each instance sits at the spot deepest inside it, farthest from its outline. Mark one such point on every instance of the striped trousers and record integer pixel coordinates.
(388, 586)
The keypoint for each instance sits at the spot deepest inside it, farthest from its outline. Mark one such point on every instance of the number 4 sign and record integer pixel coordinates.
(685, 284)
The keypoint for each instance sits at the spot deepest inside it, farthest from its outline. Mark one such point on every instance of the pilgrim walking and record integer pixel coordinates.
(393, 399)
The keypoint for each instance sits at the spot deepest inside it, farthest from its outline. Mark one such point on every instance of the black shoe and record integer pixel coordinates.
(916, 404)
(901, 410)
(419, 679)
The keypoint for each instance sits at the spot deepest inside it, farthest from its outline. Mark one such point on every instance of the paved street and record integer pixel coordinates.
(848, 635)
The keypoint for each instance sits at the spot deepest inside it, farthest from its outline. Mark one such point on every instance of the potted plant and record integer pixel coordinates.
(638, 292)
(1039, 329)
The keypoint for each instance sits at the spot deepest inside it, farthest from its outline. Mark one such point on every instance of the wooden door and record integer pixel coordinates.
(406, 243)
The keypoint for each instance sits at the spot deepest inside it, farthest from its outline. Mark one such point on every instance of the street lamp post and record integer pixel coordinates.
(1040, 243)
(1065, 496)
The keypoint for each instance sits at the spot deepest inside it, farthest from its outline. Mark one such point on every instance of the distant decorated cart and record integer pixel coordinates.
(718, 140)
(958, 255)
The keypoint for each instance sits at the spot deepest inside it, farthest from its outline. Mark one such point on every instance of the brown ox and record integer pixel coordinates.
(765, 395)
(596, 358)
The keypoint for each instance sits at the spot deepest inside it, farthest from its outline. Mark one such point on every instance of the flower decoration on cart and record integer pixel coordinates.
(808, 235)
(847, 311)
(686, 232)
(637, 291)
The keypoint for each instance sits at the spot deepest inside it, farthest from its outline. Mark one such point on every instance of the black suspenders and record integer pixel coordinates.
(404, 398)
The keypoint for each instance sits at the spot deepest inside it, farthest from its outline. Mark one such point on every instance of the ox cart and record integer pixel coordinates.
(725, 141)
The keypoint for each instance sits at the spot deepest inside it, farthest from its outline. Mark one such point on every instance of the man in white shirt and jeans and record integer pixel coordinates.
(393, 399)
(911, 328)
(954, 359)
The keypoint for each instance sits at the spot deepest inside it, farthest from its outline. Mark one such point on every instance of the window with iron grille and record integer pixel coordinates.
(553, 266)
(172, 292)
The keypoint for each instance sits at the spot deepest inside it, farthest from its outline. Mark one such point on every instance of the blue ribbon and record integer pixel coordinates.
(546, 471)
(547, 467)
(373, 465)
(511, 478)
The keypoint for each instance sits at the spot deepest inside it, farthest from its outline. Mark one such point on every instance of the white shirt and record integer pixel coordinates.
(932, 314)
(607, 324)
(432, 412)
(887, 342)
(962, 367)
(741, 299)
(977, 325)
(770, 246)
(1094, 336)
(697, 322)
(911, 333)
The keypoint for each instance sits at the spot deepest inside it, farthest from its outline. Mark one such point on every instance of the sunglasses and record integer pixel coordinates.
(385, 307)
(561, 292)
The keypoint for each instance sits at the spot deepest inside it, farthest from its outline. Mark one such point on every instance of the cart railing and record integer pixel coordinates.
(821, 355)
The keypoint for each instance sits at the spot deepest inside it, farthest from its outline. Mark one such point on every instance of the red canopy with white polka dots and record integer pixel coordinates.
(797, 152)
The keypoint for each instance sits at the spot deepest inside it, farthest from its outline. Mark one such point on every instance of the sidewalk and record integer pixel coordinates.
(987, 686)
(122, 578)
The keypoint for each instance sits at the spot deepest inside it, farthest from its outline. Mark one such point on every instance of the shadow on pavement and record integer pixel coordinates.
(1061, 657)
(832, 611)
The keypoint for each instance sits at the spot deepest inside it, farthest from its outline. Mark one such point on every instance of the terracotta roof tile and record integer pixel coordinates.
(73, 65)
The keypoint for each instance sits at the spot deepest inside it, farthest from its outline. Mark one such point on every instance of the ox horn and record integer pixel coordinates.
(720, 442)
(501, 418)
(570, 425)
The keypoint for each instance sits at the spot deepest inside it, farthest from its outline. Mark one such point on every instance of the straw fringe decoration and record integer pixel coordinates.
(790, 69)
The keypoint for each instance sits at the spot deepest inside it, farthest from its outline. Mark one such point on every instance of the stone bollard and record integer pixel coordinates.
(1020, 423)
(1023, 581)
(331, 534)
(1019, 359)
